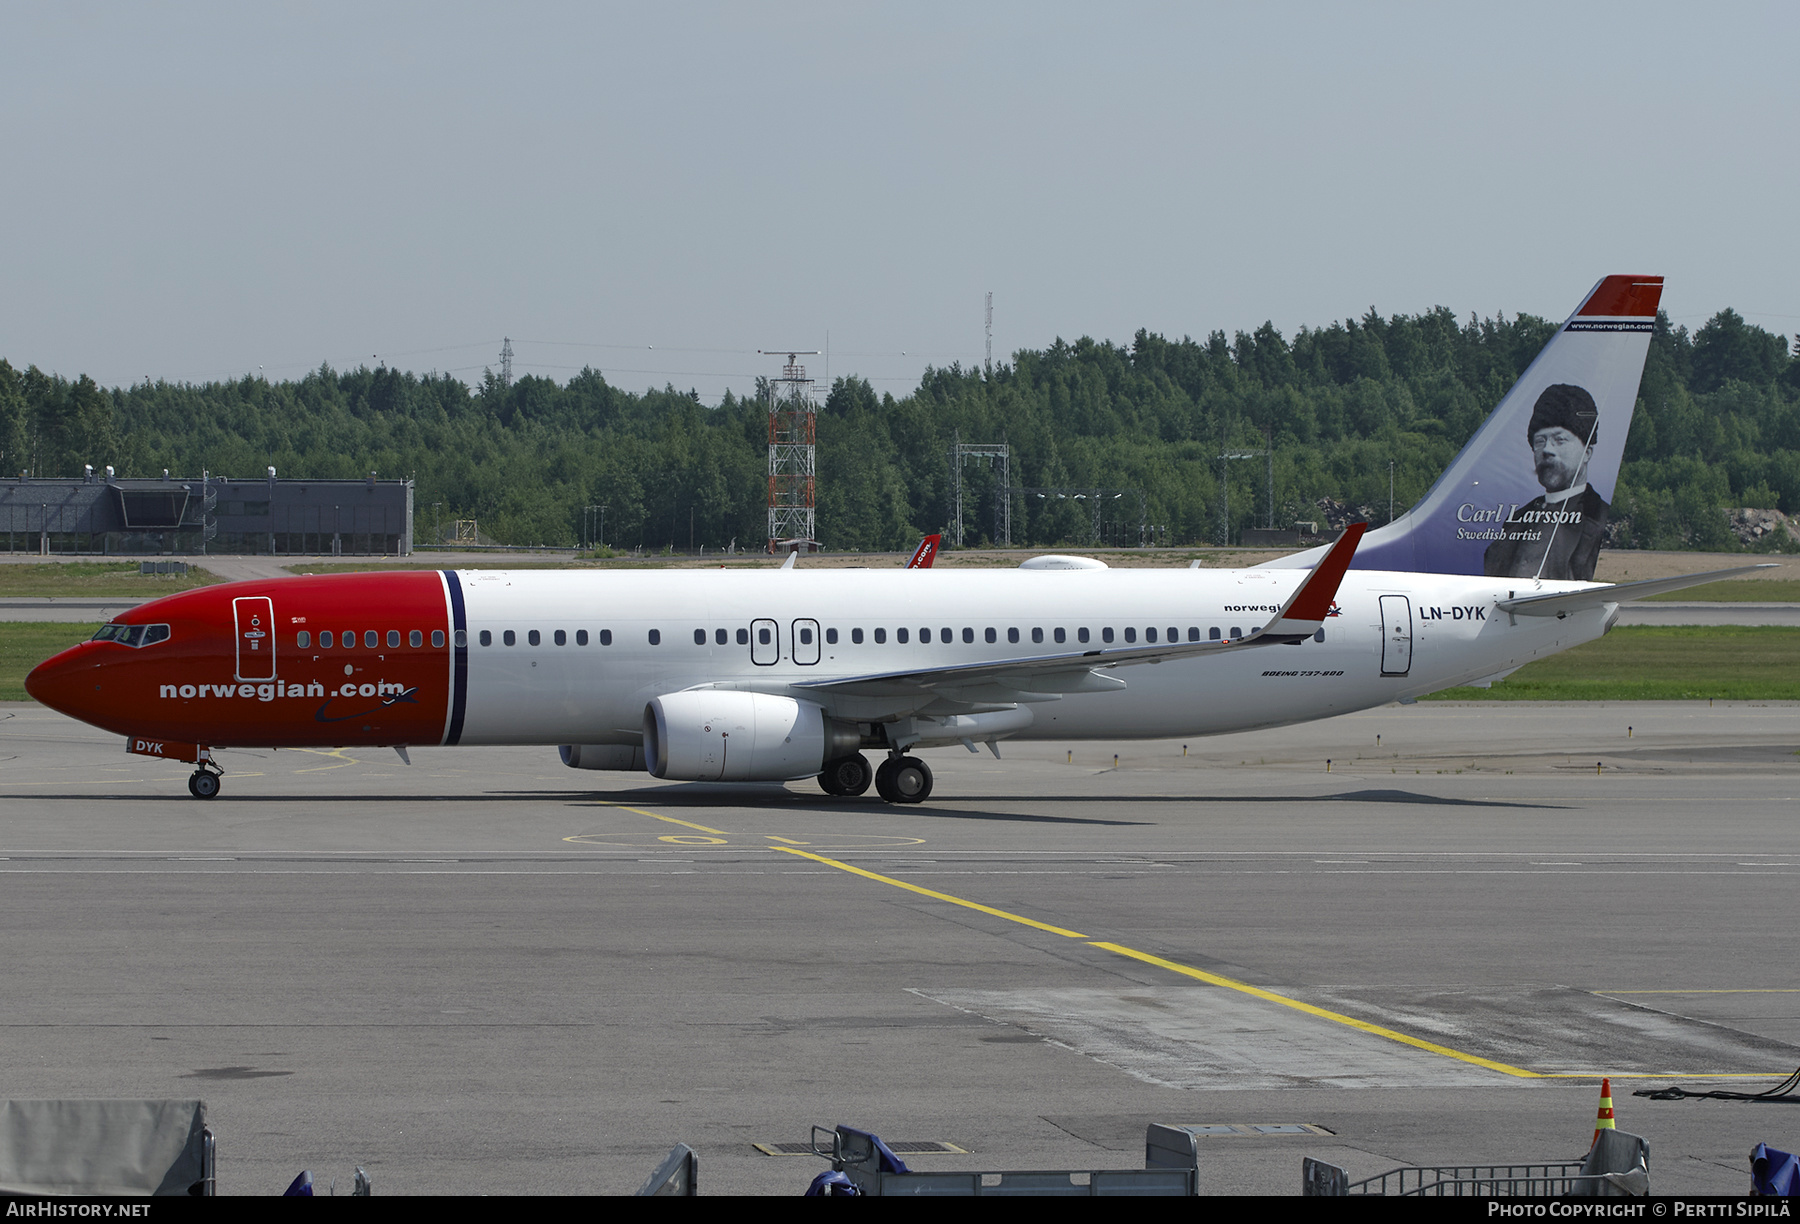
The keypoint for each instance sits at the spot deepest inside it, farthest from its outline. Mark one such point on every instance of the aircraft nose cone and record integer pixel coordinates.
(63, 682)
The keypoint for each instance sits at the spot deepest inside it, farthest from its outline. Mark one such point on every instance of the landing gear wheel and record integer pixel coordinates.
(904, 779)
(203, 784)
(848, 776)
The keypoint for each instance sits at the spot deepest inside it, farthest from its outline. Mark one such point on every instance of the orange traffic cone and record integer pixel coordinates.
(1604, 1119)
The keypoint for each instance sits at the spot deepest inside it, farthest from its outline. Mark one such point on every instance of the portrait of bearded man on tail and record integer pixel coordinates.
(1557, 535)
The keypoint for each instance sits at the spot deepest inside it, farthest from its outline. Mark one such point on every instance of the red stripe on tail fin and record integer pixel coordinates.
(1624, 297)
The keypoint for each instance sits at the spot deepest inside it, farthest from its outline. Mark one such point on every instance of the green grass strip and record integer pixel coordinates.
(25, 644)
(1659, 663)
(1737, 590)
(83, 579)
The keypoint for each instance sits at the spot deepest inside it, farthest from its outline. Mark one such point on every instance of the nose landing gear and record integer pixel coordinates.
(203, 783)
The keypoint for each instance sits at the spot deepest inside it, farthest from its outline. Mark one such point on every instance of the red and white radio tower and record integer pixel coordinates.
(793, 430)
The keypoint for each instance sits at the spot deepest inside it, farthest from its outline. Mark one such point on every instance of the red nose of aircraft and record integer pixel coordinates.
(68, 683)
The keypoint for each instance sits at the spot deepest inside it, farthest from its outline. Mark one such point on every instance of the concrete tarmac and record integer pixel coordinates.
(486, 973)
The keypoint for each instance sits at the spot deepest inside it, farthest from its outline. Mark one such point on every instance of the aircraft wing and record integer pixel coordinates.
(1045, 677)
(1564, 602)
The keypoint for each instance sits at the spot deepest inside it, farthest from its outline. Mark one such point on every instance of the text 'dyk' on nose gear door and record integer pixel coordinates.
(765, 643)
(1396, 635)
(806, 641)
(255, 616)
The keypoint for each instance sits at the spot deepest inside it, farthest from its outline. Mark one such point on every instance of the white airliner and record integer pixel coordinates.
(791, 673)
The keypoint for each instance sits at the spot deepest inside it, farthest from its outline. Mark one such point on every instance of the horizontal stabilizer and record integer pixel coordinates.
(1563, 603)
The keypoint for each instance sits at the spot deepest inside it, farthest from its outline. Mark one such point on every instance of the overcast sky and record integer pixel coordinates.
(199, 191)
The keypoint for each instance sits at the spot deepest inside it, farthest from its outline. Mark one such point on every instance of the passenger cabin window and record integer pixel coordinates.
(1193, 633)
(1213, 634)
(1149, 634)
(561, 638)
(1174, 634)
(1236, 633)
(437, 639)
(393, 639)
(900, 636)
(968, 635)
(1012, 635)
(371, 639)
(303, 639)
(581, 637)
(743, 637)
(1061, 635)
(1131, 635)
(990, 635)
(856, 637)
(699, 637)
(1106, 634)
(415, 639)
(881, 637)
(806, 636)
(656, 637)
(509, 637)
(1081, 635)
(487, 638)
(606, 637)
(325, 639)
(831, 637)
(1037, 635)
(462, 639)
(762, 637)
(721, 638)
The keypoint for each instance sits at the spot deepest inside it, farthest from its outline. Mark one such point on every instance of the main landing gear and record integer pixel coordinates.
(203, 783)
(901, 779)
(847, 776)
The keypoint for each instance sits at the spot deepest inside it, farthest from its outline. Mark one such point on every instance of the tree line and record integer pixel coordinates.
(1717, 425)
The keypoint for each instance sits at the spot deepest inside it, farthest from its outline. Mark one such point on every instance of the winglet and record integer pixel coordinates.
(1306, 609)
(926, 553)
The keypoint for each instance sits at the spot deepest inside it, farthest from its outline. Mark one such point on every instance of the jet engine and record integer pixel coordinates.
(724, 735)
(602, 756)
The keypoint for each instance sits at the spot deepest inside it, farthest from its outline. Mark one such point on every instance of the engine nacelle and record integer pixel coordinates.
(602, 756)
(724, 735)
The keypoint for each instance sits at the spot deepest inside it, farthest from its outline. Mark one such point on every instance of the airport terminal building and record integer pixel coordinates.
(105, 515)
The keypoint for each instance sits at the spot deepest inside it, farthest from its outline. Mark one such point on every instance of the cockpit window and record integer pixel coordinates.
(133, 635)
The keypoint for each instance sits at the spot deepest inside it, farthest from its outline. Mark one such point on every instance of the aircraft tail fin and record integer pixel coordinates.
(1528, 496)
(925, 553)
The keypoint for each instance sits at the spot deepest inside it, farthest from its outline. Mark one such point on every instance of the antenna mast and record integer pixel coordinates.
(990, 334)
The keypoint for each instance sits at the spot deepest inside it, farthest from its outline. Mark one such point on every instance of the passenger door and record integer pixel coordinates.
(1396, 635)
(255, 617)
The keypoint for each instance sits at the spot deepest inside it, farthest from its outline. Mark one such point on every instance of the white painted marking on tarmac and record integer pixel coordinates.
(1202, 1038)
